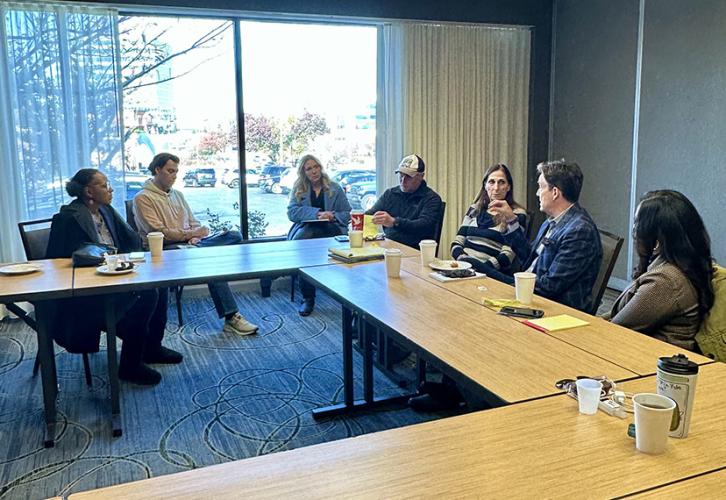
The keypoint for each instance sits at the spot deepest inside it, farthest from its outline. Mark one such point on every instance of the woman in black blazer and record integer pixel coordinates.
(90, 218)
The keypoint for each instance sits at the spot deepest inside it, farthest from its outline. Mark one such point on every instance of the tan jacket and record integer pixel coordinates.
(711, 337)
(157, 210)
(662, 303)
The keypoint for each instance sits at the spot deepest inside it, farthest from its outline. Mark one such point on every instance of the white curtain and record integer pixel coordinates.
(59, 108)
(461, 100)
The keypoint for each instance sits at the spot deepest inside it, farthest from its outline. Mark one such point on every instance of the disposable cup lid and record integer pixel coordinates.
(678, 363)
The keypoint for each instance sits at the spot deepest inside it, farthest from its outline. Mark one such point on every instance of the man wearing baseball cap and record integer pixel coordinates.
(410, 211)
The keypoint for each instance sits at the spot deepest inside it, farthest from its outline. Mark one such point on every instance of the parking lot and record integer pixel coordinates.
(221, 199)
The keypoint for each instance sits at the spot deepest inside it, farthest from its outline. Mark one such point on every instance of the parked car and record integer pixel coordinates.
(133, 187)
(346, 181)
(231, 178)
(347, 177)
(199, 177)
(269, 180)
(134, 182)
(287, 180)
(362, 195)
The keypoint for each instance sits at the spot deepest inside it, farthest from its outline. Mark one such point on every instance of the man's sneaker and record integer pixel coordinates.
(239, 325)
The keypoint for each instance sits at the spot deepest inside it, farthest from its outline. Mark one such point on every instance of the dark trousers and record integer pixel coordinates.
(142, 326)
(308, 232)
(220, 292)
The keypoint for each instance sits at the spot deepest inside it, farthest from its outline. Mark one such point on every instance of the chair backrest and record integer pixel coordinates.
(611, 245)
(440, 225)
(529, 230)
(130, 215)
(35, 241)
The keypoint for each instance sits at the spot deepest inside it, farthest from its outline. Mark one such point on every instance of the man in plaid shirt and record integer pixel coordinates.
(567, 253)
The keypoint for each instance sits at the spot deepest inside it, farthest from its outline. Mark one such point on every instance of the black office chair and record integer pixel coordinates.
(611, 245)
(440, 225)
(35, 244)
(176, 290)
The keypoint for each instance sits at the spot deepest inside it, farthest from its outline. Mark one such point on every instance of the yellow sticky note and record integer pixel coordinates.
(559, 322)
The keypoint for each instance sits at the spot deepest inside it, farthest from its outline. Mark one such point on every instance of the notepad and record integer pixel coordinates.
(356, 254)
(555, 323)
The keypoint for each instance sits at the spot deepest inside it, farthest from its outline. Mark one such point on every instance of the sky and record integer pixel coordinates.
(286, 69)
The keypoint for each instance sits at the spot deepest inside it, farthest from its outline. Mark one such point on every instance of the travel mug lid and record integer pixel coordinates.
(678, 363)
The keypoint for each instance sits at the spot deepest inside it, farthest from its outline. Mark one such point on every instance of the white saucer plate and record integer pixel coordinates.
(106, 270)
(446, 265)
(20, 269)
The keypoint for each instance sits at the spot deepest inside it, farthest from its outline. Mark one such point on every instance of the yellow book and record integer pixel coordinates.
(556, 323)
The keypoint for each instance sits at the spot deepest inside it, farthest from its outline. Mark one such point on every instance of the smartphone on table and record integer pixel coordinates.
(342, 238)
(521, 312)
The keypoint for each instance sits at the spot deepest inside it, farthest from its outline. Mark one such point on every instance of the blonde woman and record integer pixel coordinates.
(318, 208)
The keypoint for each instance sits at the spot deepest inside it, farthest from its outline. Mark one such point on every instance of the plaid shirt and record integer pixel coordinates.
(569, 261)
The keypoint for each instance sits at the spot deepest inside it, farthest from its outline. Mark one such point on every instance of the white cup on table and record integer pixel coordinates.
(428, 251)
(524, 287)
(111, 261)
(588, 395)
(356, 238)
(653, 420)
(156, 243)
(392, 257)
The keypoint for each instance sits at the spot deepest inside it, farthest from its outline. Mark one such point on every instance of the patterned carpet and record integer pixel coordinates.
(232, 398)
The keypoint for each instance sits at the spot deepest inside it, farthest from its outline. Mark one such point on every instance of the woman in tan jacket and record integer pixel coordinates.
(672, 291)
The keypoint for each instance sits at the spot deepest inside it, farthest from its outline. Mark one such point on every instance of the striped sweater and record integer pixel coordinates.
(480, 241)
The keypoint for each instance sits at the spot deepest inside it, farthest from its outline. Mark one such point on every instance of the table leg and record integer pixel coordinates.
(266, 286)
(48, 374)
(112, 362)
(349, 404)
(365, 333)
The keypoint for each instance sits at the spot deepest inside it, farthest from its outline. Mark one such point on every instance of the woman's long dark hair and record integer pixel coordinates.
(669, 219)
(482, 200)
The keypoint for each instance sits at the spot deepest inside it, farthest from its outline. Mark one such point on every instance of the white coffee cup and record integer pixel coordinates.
(428, 251)
(393, 262)
(524, 287)
(653, 417)
(588, 395)
(156, 243)
(356, 238)
(111, 262)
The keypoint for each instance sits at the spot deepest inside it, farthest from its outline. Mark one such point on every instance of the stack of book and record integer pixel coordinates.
(349, 255)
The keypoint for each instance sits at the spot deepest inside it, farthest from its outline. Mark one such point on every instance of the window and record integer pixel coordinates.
(179, 97)
(307, 89)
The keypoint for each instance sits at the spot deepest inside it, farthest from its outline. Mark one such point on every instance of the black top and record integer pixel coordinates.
(73, 226)
(417, 214)
(317, 201)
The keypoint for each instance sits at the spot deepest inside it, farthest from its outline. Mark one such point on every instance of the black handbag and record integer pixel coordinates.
(91, 254)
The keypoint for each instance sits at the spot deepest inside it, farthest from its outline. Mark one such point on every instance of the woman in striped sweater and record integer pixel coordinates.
(479, 240)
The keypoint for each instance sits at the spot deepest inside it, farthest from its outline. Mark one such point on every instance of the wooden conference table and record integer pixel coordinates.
(621, 346)
(54, 281)
(540, 448)
(58, 279)
(499, 360)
